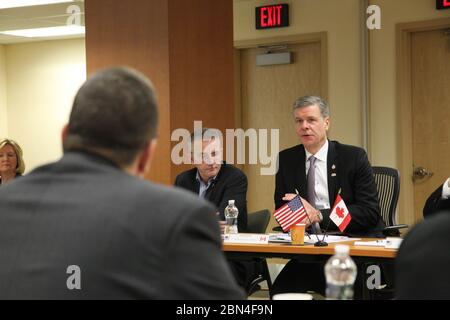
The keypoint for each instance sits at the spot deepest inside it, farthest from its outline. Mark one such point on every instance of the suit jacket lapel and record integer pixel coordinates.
(195, 186)
(332, 169)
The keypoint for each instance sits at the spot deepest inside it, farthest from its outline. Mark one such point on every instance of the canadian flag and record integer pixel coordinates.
(340, 214)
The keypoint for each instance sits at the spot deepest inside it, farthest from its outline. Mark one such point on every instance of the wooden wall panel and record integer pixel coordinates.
(135, 33)
(185, 47)
(201, 65)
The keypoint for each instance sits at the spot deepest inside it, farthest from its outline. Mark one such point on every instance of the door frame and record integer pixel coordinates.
(404, 139)
(239, 45)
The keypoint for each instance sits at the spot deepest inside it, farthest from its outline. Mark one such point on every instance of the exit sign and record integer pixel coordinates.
(442, 4)
(273, 16)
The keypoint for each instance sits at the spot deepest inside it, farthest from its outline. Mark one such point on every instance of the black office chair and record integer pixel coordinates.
(257, 222)
(387, 181)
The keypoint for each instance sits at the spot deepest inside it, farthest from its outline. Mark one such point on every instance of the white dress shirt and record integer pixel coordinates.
(446, 189)
(203, 186)
(321, 174)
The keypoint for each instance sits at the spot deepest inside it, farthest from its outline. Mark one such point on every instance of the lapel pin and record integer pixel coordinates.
(333, 167)
(333, 174)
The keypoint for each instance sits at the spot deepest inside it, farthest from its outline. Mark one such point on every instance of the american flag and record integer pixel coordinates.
(290, 214)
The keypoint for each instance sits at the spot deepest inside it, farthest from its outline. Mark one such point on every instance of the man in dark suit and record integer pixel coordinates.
(88, 226)
(212, 179)
(218, 182)
(318, 169)
(439, 200)
(423, 262)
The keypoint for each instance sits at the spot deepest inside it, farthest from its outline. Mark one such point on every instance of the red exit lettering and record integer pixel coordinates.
(271, 16)
(442, 4)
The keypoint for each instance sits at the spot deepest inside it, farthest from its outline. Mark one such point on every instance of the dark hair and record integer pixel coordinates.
(115, 114)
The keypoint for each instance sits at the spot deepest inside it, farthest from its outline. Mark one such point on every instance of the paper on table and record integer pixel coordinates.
(388, 243)
(280, 237)
(329, 239)
(286, 238)
(375, 243)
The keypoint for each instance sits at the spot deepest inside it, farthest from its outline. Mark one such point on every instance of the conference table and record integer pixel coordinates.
(288, 251)
(364, 255)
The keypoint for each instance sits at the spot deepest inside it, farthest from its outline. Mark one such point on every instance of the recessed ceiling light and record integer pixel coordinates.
(5, 4)
(46, 32)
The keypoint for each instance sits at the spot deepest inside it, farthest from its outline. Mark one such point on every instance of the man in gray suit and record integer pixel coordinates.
(87, 226)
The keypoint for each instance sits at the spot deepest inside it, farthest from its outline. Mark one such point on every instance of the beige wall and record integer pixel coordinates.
(340, 19)
(42, 79)
(3, 114)
(383, 72)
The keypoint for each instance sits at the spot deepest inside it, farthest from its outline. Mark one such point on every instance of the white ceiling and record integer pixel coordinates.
(36, 17)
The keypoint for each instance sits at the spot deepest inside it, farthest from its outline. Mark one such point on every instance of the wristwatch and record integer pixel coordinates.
(320, 215)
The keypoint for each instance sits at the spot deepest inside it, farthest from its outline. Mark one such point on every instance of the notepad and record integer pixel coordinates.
(388, 243)
(311, 239)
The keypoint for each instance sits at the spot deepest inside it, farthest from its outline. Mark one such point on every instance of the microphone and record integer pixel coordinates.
(319, 243)
(323, 243)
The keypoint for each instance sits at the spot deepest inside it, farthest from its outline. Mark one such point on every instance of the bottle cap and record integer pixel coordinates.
(231, 202)
(341, 249)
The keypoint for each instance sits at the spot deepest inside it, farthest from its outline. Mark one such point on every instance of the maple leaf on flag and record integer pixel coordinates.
(340, 214)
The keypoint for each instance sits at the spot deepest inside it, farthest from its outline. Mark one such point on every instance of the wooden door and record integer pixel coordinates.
(430, 73)
(267, 96)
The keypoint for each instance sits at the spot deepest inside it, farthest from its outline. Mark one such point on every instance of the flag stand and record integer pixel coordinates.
(321, 243)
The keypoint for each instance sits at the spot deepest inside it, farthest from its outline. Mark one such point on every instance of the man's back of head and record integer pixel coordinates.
(423, 261)
(85, 227)
(115, 114)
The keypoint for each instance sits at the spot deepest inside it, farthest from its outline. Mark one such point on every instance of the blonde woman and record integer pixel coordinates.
(11, 161)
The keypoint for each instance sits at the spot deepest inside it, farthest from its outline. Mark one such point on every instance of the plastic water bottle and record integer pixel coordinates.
(231, 215)
(340, 273)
